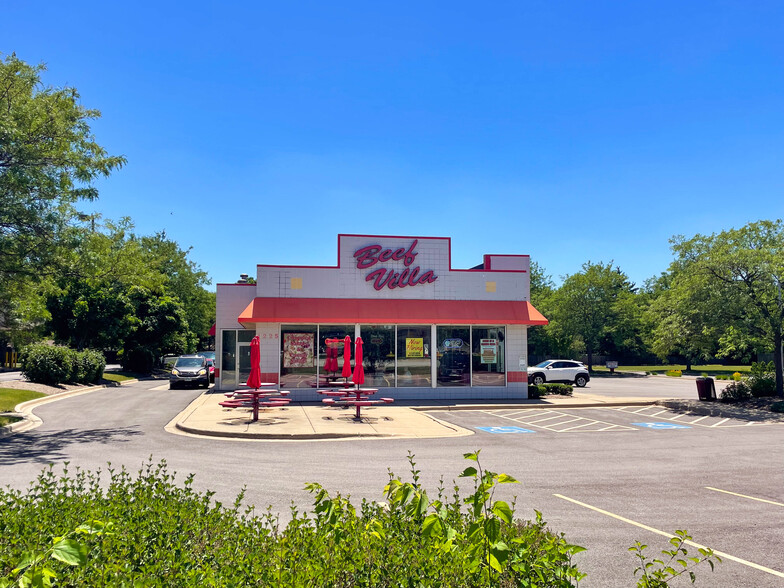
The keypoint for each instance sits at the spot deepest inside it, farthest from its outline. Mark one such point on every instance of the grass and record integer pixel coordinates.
(10, 397)
(118, 376)
(712, 369)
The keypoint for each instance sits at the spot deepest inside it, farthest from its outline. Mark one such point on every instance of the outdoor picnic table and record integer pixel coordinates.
(357, 397)
(255, 397)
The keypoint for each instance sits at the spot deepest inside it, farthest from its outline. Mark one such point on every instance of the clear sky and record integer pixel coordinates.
(255, 132)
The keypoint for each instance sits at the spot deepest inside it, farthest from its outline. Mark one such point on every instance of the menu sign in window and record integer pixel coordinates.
(415, 348)
(298, 350)
(488, 350)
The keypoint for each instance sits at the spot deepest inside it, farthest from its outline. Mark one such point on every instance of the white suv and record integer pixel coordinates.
(559, 370)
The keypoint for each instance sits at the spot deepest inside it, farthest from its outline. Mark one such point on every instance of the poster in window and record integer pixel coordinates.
(415, 347)
(488, 350)
(298, 350)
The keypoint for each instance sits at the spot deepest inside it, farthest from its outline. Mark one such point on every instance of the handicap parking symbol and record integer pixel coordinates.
(661, 425)
(505, 430)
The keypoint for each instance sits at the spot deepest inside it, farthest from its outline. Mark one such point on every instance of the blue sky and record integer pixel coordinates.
(571, 131)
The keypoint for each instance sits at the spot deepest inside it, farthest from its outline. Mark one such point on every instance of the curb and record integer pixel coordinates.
(30, 421)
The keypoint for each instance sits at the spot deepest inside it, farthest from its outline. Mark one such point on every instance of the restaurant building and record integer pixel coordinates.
(429, 331)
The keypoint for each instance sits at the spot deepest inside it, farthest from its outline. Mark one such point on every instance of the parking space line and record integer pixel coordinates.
(576, 427)
(744, 496)
(547, 419)
(721, 554)
(720, 422)
(699, 419)
(656, 413)
(551, 426)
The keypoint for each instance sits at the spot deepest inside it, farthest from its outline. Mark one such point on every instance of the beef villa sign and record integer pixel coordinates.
(387, 277)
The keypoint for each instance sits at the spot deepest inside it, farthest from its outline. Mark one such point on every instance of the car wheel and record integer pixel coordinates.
(580, 381)
(538, 380)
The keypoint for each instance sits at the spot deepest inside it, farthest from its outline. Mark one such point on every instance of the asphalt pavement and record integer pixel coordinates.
(605, 475)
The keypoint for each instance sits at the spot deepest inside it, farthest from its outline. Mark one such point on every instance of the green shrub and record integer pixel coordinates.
(51, 365)
(147, 530)
(736, 392)
(674, 373)
(46, 364)
(762, 379)
(777, 406)
(545, 389)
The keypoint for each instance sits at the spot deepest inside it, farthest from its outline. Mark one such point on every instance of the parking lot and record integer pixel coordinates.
(605, 476)
(584, 420)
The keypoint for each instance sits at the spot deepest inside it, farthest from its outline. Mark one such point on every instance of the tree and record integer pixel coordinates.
(736, 277)
(590, 305)
(49, 161)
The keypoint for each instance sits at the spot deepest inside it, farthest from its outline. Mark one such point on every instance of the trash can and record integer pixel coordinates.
(706, 389)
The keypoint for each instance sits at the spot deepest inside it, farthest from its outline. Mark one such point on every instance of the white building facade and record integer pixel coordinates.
(428, 331)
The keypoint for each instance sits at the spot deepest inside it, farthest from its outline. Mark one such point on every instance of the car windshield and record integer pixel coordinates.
(207, 354)
(189, 362)
(544, 364)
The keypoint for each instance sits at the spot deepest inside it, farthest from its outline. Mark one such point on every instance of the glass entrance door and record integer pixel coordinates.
(243, 362)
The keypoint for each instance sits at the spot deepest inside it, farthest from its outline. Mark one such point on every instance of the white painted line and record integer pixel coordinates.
(721, 554)
(558, 416)
(698, 420)
(161, 387)
(720, 422)
(744, 496)
(567, 422)
(657, 413)
(676, 417)
(578, 426)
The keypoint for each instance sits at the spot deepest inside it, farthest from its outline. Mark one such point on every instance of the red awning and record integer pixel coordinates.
(381, 311)
(211, 332)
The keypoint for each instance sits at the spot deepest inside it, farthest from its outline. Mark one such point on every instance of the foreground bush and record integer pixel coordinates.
(51, 365)
(163, 534)
(146, 530)
(737, 391)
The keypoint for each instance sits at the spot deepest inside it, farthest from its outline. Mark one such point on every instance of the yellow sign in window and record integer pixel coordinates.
(415, 348)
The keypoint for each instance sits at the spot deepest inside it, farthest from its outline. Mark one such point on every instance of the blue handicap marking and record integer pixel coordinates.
(505, 430)
(661, 425)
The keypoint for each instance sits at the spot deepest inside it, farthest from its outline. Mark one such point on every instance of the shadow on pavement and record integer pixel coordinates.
(47, 446)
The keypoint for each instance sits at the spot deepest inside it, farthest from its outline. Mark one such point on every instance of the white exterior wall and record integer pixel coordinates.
(507, 280)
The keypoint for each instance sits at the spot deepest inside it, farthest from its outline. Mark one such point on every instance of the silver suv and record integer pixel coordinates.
(189, 370)
(566, 371)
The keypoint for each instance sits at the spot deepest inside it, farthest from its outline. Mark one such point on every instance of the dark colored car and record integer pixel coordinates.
(190, 370)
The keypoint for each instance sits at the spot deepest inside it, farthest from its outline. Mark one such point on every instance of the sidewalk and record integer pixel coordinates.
(403, 420)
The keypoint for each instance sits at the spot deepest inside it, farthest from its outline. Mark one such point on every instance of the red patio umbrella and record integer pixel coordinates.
(254, 379)
(359, 371)
(346, 357)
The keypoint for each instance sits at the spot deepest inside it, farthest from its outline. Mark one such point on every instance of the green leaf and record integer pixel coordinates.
(502, 510)
(468, 473)
(71, 552)
(472, 456)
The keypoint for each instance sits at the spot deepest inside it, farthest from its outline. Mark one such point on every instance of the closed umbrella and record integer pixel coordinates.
(359, 371)
(346, 357)
(254, 379)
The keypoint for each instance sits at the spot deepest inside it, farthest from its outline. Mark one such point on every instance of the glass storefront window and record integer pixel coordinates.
(298, 356)
(235, 357)
(378, 354)
(228, 363)
(331, 368)
(413, 356)
(488, 353)
(453, 354)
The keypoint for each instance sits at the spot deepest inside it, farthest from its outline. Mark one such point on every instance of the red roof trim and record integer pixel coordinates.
(386, 311)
